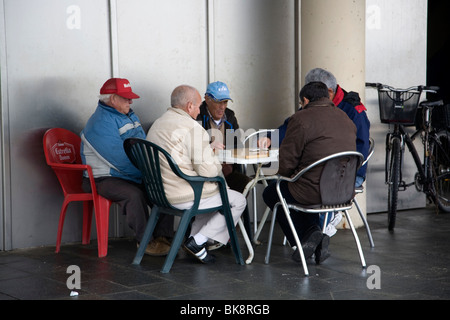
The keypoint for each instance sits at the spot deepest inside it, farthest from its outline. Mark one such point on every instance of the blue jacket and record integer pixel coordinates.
(350, 103)
(102, 143)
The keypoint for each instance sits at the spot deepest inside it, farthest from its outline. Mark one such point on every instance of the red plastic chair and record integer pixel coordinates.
(62, 152)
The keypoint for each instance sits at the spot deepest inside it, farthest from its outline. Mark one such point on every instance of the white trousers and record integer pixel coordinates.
(213, 225)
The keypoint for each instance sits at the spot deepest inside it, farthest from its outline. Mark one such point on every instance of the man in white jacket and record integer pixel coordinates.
(184, 138)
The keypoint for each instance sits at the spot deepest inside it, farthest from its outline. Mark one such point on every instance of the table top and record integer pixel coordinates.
(247, 156)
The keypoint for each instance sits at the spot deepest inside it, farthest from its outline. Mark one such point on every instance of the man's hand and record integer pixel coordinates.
(264, 143)
(217, 145)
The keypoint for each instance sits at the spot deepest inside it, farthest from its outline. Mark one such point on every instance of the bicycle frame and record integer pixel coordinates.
(405, 138)
(425, 177)
(398, 107)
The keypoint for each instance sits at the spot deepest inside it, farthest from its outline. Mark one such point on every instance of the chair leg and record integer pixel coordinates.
(324, 226)
(297, 240)
(261, 226)
(246, 219)
(176, 242)
(255, 211)
(366, 224)
(355, 235)
(102, 219)
(247, 242)
(272, 225)
(233, 236)
(87, 221)
(62, 217)
(154, 215)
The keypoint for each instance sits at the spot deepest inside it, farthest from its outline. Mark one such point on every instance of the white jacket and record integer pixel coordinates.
(188, 143)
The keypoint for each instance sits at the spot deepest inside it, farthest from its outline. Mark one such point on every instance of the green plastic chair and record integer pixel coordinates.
(145, 155)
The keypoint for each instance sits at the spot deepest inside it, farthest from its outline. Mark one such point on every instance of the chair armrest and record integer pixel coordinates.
(197, 182)
(262, 131)
(77, 167)
(74, 167)
(201, 180)
(69, 166)
(321, 161)
(272, 177)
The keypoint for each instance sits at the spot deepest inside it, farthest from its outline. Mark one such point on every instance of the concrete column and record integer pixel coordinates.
(333, 37)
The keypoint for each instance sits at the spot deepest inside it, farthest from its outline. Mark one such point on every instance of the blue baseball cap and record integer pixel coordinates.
(218, 91)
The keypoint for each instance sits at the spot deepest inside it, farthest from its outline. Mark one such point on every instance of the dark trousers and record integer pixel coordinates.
(303, 222)
(131, 199)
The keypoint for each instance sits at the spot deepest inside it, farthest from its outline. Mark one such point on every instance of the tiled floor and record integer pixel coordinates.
(413, 263)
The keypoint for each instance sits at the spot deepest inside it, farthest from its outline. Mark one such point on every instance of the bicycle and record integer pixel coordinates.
(398, 107)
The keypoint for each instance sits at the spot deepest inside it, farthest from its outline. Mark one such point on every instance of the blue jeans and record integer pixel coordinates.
(359, 181)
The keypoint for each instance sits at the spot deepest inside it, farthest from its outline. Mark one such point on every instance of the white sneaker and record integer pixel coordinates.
(337, 217)
(330, 230)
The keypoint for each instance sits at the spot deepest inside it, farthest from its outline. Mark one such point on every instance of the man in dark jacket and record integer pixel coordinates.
(350, 103)
(318, 130)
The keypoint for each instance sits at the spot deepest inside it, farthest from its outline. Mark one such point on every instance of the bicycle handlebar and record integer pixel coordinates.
(379, 86)
(372, 84)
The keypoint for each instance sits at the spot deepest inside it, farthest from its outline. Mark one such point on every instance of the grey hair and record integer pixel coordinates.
(105, 97)
(322, 75)
(182, 95)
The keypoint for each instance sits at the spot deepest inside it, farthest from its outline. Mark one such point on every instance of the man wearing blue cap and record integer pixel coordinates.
(217, 119)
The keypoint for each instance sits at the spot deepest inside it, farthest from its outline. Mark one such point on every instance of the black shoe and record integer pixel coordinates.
(322, 252)
(309, 245)
(197, 251)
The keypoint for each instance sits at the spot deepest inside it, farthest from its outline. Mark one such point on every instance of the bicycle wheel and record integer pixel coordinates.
(393, 181)
(440, 170)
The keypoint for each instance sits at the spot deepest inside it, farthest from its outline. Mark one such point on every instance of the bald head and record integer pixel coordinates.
(186, 98)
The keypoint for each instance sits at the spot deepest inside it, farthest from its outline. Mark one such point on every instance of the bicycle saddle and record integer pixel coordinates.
(432, 103)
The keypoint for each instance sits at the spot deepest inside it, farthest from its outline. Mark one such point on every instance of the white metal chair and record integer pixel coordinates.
(358, 190)
(337, 190)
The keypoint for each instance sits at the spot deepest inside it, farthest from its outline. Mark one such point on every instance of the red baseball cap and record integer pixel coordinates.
(121, 87)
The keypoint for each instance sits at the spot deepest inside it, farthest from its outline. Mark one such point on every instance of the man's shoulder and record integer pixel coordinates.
(352, 102)
(352, 97)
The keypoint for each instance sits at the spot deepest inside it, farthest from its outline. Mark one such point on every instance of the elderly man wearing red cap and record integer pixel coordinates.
(115, 176)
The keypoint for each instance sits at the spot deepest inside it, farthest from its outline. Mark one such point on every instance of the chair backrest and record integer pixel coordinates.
(253, 138)
(145, 156)
(371, 150)
(337, 180)
(62, 147)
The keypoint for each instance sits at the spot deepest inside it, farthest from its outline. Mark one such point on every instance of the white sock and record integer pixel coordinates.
(200, 239)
